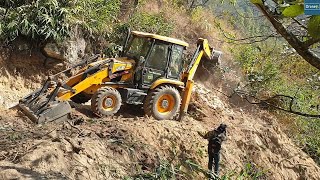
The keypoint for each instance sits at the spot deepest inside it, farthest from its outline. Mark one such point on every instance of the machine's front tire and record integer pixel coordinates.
(106, 101)
(163, 103)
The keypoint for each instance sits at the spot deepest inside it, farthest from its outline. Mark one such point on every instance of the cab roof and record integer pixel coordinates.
(162, 38)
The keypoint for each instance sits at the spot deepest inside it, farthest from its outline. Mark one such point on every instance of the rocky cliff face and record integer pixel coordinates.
(70, 50)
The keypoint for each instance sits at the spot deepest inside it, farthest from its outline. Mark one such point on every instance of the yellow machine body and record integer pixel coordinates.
(93, 82)
(129, 79)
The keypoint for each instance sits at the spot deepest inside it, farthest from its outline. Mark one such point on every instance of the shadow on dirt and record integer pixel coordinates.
(126, 110)
(131, 111)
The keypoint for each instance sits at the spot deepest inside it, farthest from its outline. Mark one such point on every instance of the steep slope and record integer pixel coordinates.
(130, 144)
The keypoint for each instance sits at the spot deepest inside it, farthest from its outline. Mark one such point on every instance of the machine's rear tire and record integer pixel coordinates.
(81, 98)
(163, 103)
(106, 101)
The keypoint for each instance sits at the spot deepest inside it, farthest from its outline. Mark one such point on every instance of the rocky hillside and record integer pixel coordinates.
(130, 145)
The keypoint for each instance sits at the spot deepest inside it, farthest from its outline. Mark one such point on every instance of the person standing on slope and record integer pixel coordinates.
(215, 139)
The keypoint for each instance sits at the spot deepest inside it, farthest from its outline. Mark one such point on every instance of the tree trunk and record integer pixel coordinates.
(302, 48)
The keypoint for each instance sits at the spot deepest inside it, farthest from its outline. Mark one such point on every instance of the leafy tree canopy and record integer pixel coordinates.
(54, 19)
(301, 31)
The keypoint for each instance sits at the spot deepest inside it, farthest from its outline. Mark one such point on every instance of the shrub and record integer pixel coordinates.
(96, 17)
(54, 19)
(153, 23)
(43, 19)
(279, 73)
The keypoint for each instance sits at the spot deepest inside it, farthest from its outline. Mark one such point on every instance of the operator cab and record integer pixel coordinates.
(156, 57)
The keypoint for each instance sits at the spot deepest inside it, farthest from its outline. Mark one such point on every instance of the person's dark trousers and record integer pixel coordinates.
(214, 158)
(210, 163)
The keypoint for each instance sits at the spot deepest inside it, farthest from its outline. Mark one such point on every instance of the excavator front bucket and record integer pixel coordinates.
(43, 105)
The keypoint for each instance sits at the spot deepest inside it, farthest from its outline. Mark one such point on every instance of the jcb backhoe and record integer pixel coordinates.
(150, 72)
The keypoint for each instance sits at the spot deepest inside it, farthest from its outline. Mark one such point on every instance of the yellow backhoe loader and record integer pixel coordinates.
(150, 72)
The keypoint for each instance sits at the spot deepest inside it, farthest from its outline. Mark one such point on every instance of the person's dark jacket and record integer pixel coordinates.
(215, 139)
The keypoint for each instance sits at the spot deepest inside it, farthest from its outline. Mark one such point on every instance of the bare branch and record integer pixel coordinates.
(311, 42)
(298, 22)
(267, 102)
(252, 39)
(311, 57)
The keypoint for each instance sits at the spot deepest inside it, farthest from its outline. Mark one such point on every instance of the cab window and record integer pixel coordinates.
(158, 57)
(176, 61)
(138, 47)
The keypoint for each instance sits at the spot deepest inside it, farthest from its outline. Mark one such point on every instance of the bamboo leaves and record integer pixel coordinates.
(53, 19)
(39, 20)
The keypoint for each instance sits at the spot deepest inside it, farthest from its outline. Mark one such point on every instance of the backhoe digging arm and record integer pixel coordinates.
(203, 50)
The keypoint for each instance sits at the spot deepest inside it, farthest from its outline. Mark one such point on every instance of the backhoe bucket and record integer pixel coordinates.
(209, 66)
(43, 106)
(213, 62)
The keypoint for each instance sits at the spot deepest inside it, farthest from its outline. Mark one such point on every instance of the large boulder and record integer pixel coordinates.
(71, 50)
(53, 50)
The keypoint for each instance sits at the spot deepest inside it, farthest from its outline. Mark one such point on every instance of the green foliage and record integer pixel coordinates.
(314, 26)
(251, 171)
(179, 3)
(196, 14)
(280, 73)
(54, 19)
(190, 170)
(165, 170)
(311, 139)
(95, 16)
(293, 10)
(113, 50)
(43, 19)
(153, 23)
(140, 21)
(199, 19)
(273, 68)
(258, 67)
(256, 1)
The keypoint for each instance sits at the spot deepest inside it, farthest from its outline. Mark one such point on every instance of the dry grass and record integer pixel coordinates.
(189, 26)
